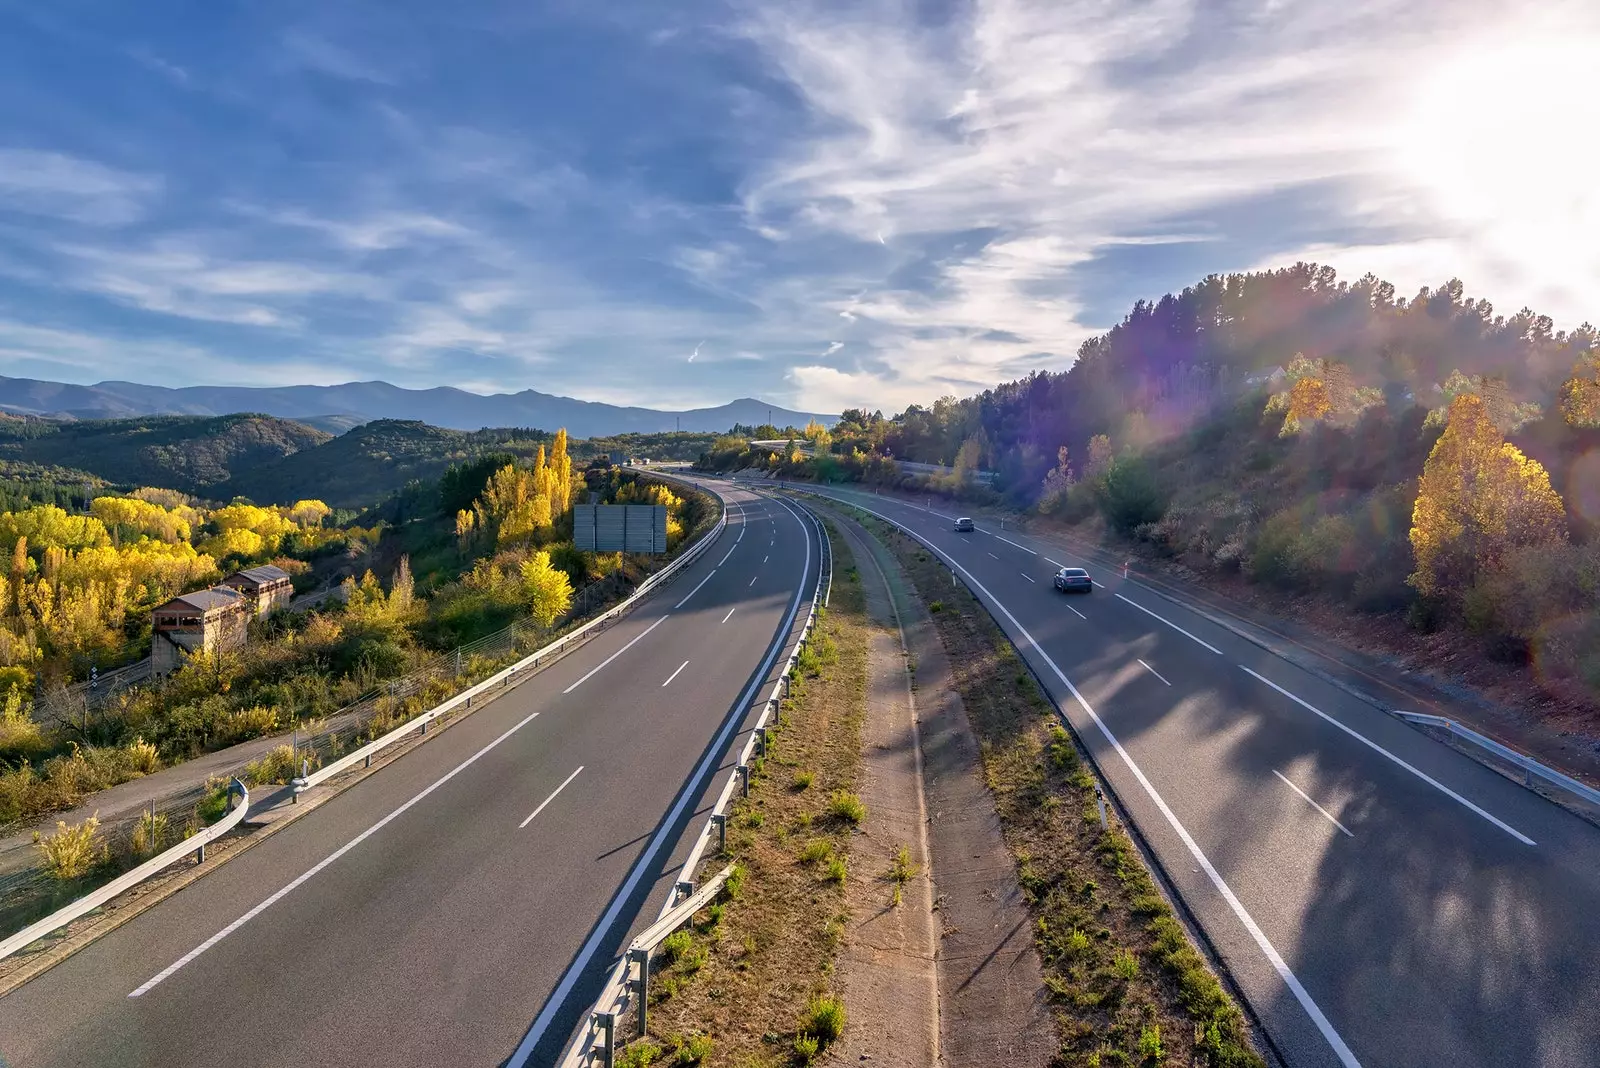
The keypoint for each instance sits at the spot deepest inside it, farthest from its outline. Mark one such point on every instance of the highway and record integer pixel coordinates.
(1381, 899)
(461, 905)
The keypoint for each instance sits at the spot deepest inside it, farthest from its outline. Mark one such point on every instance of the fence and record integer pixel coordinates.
(29, 889)
(627, 987)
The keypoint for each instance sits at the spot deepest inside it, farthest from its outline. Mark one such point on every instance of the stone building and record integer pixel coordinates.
(266, 588)
(216, 620)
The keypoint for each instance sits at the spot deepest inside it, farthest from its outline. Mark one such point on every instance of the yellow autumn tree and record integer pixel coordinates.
(1479, 498)
(1580, 394)
(1308, 402)
(1100, 456)
(547, 588)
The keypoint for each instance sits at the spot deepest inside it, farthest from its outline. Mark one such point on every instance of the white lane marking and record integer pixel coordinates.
(992, 556)
(1008, 541)
(1154, 672)
(1097, 584)
(731, 611)
(680, 668)
(1312, 803)
(618, 653)
(1057, 563)
(752, 580)
(1303, 996)
(1375, 747)
(713, 754)
(696, 589)
(167, 972)
(1170, 623)
(725, 558)
(549, 799)
(764, 559)
(1025, 575)
(1077, 613)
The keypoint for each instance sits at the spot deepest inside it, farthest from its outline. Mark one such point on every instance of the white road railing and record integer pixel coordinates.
(1531, 768)
(127, 880)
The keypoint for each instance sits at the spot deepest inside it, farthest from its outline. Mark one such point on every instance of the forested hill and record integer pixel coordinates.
(178, 452)
(1169, 360)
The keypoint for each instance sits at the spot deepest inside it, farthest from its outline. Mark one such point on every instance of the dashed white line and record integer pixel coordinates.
(1312, 803)
(592, 671)
(731, 611)
(549, 799)
(1375, 747)
(764, 559)
(680, 669)
(696, 590)
(1025, 575)
(752, 580)
(166, 972)
(1077, 613)
(1008, 541)
(992, 556)
(1097, 584)
(1170, 623)
(1154, 672)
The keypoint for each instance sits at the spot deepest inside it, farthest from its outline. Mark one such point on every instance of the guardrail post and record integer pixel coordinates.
(744, 780)
(720, 822)
(682, 890)
(641, 986)
(608, 1036)
(761, 741)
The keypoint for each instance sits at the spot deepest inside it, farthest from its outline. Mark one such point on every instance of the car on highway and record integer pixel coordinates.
(965, 524)
(1074, 580)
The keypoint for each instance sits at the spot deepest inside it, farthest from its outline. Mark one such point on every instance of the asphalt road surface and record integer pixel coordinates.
(1381, 899)
(462, 905)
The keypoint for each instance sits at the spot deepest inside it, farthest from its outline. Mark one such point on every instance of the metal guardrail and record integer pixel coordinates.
(1530, 767)
(93, 900)
(596, 1043)
(307, 779)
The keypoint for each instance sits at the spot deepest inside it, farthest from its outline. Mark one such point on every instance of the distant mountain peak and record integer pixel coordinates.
(351, 403)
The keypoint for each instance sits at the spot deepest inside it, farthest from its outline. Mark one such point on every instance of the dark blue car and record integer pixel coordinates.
(1074, 580)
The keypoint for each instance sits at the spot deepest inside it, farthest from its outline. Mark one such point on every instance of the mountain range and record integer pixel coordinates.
(338, 408)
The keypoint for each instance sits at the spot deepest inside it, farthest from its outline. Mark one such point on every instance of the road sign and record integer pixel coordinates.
(628, 528)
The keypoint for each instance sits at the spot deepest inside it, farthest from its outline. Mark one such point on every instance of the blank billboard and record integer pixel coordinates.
(627, 528)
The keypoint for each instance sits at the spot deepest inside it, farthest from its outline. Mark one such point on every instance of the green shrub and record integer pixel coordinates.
(640, 1054)
(1129, 495)
(675, 946)
(846, 807)
(825, 1019)
(836, 871)
(1150, 1043)
(817, 849)
(691, 1049)
(803, 780)
(806, 1048)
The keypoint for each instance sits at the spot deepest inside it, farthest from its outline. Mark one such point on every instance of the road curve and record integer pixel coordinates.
(1381, 899)
(427, 915)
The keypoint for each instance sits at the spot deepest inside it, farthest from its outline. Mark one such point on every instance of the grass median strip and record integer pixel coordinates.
(1125, 984)
(750, 982)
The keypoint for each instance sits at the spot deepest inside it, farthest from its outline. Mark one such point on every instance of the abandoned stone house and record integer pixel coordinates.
(266, 588)
(216, 619)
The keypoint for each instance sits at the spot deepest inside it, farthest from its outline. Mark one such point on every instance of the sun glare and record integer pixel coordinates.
(1501, 137)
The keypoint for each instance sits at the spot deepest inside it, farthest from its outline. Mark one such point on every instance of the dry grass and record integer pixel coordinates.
(1126, 986)
(71, 852)
(761, 991)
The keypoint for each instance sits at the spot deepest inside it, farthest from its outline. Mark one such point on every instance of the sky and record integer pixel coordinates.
(823, 205)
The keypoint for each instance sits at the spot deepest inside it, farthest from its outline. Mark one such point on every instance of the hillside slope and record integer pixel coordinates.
(182, 453)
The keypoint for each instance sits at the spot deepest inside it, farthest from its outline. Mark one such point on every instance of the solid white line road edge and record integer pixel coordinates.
(631, 643)
(1279, 965)
(675, 673)
(166, 972)
(713, 756)
(1375, 747)
(1307, 797)
(549, 799)
(1169, 623)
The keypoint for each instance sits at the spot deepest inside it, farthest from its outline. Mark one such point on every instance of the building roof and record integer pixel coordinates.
(204, 600)
(261, 576)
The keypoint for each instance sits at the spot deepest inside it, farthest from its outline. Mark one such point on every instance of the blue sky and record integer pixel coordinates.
(821, 204)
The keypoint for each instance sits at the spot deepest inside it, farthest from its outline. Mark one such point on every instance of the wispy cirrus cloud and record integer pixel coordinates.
(34, 182)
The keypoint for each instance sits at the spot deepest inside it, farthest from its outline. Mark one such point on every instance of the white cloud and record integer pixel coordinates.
(1057, 128)
(76, 190)
(315, 52)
